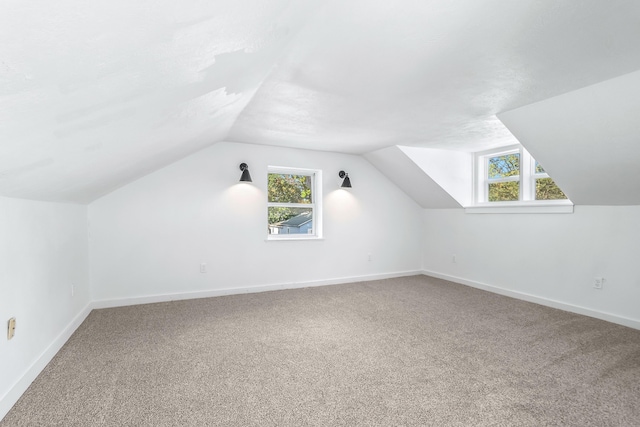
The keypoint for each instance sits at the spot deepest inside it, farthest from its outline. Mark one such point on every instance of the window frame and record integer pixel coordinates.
(315, 205)
(527, 179)
(482, 177)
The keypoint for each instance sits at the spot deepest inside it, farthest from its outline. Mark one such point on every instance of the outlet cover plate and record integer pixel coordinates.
(11, 328)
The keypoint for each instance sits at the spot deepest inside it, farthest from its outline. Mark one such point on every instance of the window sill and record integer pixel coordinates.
(292, 239)
(522, 208)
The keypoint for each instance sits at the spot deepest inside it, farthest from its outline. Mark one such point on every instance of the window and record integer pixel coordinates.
(293, 203)
(503, 177)
(511, 176)
(545, 188)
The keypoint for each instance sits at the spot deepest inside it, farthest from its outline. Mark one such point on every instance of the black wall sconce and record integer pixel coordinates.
(347, 182)
(246, 177)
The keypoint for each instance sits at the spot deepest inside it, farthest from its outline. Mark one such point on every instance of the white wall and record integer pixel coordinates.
(407, 175)
(554, 257)
(148, 238)
(451, 170)
(43, 251)
(587, 140)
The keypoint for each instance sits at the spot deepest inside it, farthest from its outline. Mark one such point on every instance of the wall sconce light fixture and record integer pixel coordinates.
(245, 173)
(347, 182)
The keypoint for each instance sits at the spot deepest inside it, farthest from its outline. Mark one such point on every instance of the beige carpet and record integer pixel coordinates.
(411, 351)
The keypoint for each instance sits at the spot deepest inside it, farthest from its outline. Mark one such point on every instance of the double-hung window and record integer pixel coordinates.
(503, 179)
(294, 203)
(512, 177)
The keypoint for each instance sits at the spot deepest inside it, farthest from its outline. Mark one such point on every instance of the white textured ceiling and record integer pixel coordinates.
(95, 94)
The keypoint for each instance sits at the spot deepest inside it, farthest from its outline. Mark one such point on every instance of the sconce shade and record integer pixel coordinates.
(246, 177)
(347, 182)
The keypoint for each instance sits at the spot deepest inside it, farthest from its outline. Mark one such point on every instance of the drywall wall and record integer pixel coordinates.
(149, 238)
(587, 140)
(451, 170)
(43, 253)
(552, 257)
(407, 174)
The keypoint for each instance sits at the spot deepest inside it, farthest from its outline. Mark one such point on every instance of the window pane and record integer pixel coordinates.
(285, 188)
(539, 169)
(504, 166)
(546, 189)
(284, 220)
(504, 191)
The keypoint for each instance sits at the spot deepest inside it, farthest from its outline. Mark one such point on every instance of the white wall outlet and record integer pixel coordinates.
(598, 282)
(203, 267)
(454, 259)
(369, 257)
(11, 328)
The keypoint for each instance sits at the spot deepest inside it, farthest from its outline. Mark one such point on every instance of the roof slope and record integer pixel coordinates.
(94, 95)
(588, 140)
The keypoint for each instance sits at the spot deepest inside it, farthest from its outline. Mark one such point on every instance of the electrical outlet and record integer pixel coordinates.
(454, 259)
(598, 282)
(369, 257)
(11, 328)
(203, 267)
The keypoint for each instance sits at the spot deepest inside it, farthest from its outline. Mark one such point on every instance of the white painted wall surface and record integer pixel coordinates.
(43, 251)
(554, 257)
(587, 140)
(451, 170)
(150, 237)
(404, 172)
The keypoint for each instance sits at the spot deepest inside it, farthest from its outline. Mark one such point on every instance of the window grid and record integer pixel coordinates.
(315, 231)
(527, 178)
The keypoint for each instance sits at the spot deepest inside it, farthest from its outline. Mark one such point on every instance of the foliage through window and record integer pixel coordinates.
(513, 176)
(292, 202)
(546, 189)
(504, 178)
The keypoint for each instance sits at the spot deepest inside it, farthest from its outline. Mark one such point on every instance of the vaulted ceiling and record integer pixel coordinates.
(96, 94)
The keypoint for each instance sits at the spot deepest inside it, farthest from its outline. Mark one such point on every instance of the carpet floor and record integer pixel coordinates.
(412, 351)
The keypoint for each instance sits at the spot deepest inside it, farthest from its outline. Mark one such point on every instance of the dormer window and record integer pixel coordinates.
(511, 176)
(502, 177)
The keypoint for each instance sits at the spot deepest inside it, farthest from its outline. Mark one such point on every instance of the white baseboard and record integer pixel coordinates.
(11, 397)
(613, 318)
(121, 302)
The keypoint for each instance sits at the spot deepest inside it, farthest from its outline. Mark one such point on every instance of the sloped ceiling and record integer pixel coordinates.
(96, 94)
(588, 140)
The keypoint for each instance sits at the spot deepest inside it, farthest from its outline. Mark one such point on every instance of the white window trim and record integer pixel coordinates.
(316, 205)
(527, 178)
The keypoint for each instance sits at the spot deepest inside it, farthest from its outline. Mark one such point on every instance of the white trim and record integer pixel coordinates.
(609, 317)
(481, 169)
(493, 152)
(289, 170)
(121, 302)
(521, 209)
(19, 387)
(527, 187)
(315, 205)
(274, 238)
